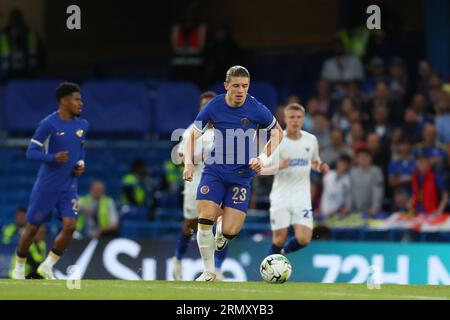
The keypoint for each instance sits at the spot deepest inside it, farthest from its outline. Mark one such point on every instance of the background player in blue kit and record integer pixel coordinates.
(58, 143)
(226, 178)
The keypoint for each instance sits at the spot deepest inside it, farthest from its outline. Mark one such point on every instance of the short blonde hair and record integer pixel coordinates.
(294, 106)
(236, 71)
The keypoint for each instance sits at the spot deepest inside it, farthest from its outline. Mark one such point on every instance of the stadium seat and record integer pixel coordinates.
(33, 98)
(176, 106)
(116, 107)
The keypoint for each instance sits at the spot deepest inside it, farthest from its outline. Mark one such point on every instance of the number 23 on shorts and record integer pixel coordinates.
(239, 194)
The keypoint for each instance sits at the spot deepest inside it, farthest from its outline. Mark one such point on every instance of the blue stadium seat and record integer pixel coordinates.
(176, 106)
(27, 102)
(116, 107)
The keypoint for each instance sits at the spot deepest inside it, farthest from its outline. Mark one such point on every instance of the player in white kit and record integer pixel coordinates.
(290, 198)
(202, 147)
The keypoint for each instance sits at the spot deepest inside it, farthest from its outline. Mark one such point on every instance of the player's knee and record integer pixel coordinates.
(279, 240)
(230, 236)
(70, 227)
(302, 240)
(206, 214)
(32, 228)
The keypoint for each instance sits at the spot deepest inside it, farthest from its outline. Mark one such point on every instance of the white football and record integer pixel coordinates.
(275, 268)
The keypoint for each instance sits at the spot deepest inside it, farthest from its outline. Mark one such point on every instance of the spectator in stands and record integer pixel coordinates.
(336, 149)
(380, 124)
(431, 147)
(400, 201)
(380, 154)
(401, 170)
(324, 96)
(397, 134)
(411, 127)
(442, 119)
(173, 183)
(20, 49)
(342, 66)
(98, 215)
(138, 189)
(367, 185)
(356, 116)
(434, 85)
(340, 117)
(12, 232)
(424, 69)
(36, 255)
(321, 129)
(398, 79)
(312, 107)
(336, 189)
(376, 74)
(356, 137)
(428, 193)
(419, 104)
(353, 92)
(382, 96)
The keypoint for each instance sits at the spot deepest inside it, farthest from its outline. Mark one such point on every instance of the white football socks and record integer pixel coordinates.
(20, 264)
(205, 240)
(51, 259)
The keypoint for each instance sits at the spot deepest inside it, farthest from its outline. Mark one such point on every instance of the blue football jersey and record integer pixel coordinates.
(54, 135)
(234, 131)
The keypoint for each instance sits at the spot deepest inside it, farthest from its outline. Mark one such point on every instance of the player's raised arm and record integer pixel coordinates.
(36, 150)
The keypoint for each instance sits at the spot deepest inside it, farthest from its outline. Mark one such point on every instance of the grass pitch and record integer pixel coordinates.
(165, 290)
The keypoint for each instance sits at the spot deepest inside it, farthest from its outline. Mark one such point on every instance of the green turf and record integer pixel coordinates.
(115, 289)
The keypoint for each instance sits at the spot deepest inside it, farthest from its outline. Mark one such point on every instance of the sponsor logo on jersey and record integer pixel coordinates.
(307, 149)
(245, 122)
(60, 133)
(80, 132)
(299, 162)
(204, 190)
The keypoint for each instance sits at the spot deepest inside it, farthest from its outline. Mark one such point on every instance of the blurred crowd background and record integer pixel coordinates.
(377, 100)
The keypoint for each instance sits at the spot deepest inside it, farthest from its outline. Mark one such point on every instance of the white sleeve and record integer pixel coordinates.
(315, 154)
(274, 157)
(185, 136)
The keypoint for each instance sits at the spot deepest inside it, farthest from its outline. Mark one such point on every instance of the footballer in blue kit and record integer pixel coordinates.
(58, 143)
(225, 183)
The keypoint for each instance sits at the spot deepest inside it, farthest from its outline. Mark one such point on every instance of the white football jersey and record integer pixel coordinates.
(203, 144)
(291, 186)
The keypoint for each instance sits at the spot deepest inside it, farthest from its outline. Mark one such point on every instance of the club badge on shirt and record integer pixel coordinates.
(80, 132)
